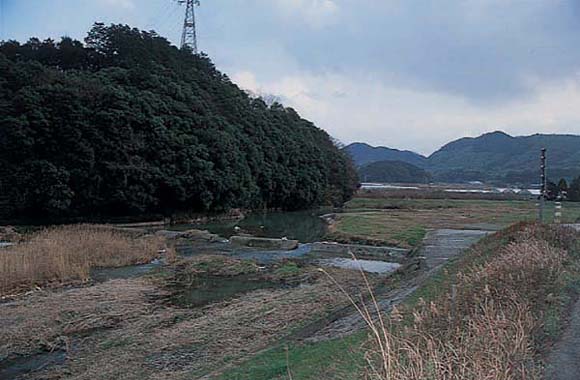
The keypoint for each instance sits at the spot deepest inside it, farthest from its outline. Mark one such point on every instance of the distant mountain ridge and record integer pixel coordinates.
(363, 154)
(492, 157)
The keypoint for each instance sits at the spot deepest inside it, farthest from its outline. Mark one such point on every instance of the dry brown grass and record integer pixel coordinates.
(484, 328)
(123, 329)
(49, 320)
(66, 254)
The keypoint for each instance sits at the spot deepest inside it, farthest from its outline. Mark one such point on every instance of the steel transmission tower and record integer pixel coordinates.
(189, 36)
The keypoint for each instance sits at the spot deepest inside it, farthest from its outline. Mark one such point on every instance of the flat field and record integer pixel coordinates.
(403, 222)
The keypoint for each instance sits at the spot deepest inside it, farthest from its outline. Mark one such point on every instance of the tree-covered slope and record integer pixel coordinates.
(127, 124)
(500, 157)
(363, 154)
(394, 172)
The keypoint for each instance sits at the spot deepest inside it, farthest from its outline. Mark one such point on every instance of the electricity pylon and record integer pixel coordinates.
(189, 36)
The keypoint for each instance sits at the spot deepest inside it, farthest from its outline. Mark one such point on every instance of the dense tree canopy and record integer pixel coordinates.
(128, 124)
(394, 172)
(574, 190)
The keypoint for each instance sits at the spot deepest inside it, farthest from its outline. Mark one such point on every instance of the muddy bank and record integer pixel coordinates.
(122, 273)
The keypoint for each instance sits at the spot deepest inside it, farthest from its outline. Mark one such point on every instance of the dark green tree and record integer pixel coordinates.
(552, 190)
(563, 185)
(574, 190)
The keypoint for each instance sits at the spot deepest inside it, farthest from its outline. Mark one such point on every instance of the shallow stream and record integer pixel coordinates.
(305, 226)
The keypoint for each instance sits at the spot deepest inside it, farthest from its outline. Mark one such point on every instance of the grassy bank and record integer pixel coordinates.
(66, 254)
(491, 316)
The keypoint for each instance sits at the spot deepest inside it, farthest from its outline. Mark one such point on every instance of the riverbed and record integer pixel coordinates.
(217, 304)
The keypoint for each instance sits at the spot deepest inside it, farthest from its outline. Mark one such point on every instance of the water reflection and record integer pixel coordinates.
(206, 290)
(304, 226)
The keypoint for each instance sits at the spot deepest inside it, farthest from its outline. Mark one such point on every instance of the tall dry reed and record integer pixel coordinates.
(482, 329)
(67, 253)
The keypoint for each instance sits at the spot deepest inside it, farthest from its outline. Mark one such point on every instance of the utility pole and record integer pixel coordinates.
(189, 35)
(542, 185)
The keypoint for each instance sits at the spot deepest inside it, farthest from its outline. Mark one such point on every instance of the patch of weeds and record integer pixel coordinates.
(553, 316)
(412, 236)
(288, 269)
(559, 303)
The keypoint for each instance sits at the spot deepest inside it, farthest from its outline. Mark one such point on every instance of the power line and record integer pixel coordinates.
(164, 15)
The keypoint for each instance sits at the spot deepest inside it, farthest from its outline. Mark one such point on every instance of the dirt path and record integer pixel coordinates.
(438, 247)
(564, 360)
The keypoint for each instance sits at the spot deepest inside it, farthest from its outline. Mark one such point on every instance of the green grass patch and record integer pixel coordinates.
(412, 236)
(288, 269)
(376, 228)
(338, 359)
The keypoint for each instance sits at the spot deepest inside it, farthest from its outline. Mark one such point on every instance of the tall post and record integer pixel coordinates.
(189, 35)
(542, 186)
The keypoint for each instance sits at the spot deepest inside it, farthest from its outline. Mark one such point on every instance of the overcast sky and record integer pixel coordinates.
(409, 74)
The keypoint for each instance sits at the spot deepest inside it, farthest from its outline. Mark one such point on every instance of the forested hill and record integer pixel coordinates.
(492, 157)
(393, 172)
(498, 156)
(127, 124)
